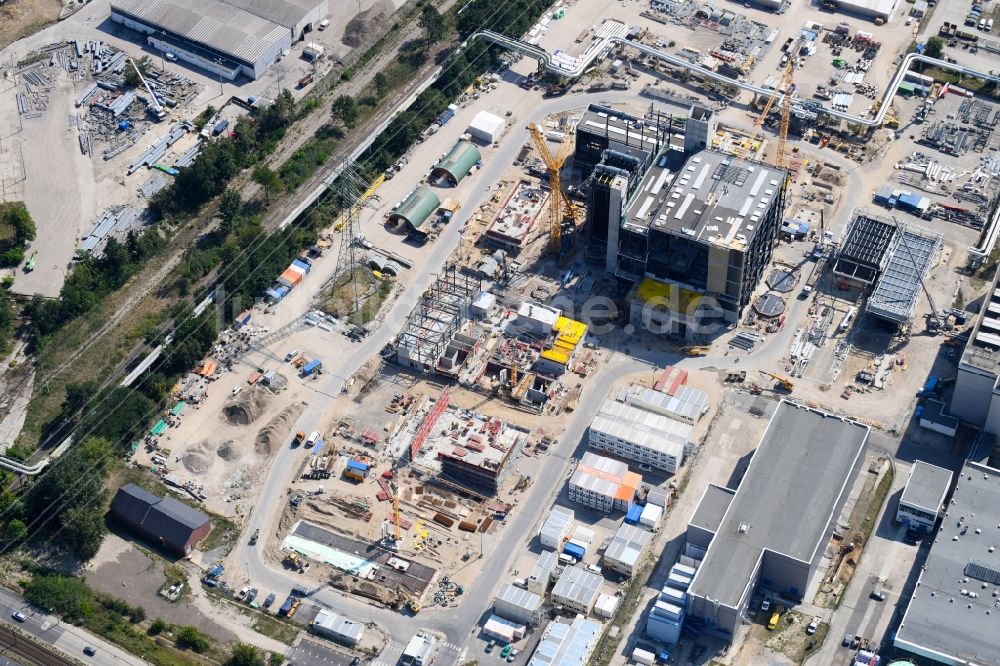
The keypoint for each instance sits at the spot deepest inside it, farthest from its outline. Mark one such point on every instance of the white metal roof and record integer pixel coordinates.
(523, 599)
(628, 545)
(564, 643)
(283, 12)
(216, 24)
(686, 403)
(487, 123)
(578, 585)
(648, 429)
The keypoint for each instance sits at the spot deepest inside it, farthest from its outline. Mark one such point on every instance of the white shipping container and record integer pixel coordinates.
(641, 656)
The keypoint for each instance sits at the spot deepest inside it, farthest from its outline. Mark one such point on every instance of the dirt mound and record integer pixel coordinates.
(229, 452)
(275, 433)
(369, 25)
(197, 460)
(247, 408)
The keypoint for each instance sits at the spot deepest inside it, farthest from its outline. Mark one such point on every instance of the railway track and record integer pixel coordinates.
(28, 651)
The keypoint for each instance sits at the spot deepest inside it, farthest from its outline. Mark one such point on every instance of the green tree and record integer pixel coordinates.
(77, 395)
(66, 595)
(158, 626)
(934, 48)
(381, 83)
(132, 79)
(83, 530)
(244, 654)
(268, 180)
(189, 638)
(16, 530)
(230, 209)
(120, 417)
(345, 110)
(433, 23)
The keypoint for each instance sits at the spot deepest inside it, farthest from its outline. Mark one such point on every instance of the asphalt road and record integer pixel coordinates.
(66, 639)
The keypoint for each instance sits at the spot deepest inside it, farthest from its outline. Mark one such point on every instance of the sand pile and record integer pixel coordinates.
(247, 408)
(197, 460)
(369, 25)
(275, 434)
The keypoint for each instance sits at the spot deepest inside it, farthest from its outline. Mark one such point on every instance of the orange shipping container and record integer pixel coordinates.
(293, 277)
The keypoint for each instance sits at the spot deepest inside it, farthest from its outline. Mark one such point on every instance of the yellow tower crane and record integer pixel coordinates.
(561, 209)
(785, 89)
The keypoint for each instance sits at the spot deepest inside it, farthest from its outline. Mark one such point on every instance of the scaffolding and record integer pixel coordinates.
(437, 317)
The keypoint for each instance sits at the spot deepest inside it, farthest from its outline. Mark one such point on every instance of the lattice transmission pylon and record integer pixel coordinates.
(353, 193)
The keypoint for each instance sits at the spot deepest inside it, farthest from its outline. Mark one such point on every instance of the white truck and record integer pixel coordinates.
(641, 656)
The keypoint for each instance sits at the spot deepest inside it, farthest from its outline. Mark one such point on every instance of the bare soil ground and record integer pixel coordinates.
(20, 18)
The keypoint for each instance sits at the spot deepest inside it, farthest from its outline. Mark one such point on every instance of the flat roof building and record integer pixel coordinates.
(521, 606)
(882, 10)
(565, 643)
(602, 128)
(706, 230)
(627, 549)
(541, 576)
(555, 530)
(577, 589)
(639, 435)
(419, 651)
(976, 397)
(338, 628)
(604, 484)
(775, 527)
(225, 37)
(952, 617)
(922, 502)
(686, 404)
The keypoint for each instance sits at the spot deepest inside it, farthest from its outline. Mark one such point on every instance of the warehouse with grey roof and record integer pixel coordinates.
(772, 532)
(228, 38)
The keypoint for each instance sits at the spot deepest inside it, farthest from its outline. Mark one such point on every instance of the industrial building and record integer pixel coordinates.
(773, 531)
(577, 590)
(165, 521)
(419, 651)
(555, 530)
(627, 549)
(976, 396)
(695, 242)
(603, 128)
(874, 10)
(567, 643)
(888, 257)
(457, 163)
(521, 606)
(922, 502)
(685, 404)
(952, 617)
(666, 617)
(415, 208)
(338, 628)
(514, 221)
(228, 38)
(639, 435)
(603, 484)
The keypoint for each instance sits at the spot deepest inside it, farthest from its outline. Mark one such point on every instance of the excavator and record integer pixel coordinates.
(696, 351)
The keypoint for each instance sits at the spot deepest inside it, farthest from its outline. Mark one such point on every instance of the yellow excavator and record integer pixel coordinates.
(696, 351)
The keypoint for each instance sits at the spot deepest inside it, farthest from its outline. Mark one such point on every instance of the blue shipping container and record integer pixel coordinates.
(633, 515)
(318, 447)
(360, 466)
(303, 265)
(573, 550)
(220, 127)
(311, 367)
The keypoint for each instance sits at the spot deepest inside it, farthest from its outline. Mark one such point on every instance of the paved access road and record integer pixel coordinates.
(66, 639)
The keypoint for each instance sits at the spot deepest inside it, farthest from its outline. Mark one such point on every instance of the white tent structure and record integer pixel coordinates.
(486, 127)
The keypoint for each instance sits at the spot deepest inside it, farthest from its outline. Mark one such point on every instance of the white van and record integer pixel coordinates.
(313, 438)
(989, 25)
(568, 560)
(290, 355)
(324, 24)
(236, 391)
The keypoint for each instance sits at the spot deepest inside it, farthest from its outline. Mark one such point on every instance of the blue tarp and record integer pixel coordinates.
(633, 515)
(318, 447)
(574, 550)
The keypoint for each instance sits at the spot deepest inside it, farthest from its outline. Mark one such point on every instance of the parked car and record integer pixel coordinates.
(765, 605)
(489, 646)
(19, 616)
(270, 600)
(813, 626)
(512, 656)
(89, 651)
(505, 651)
